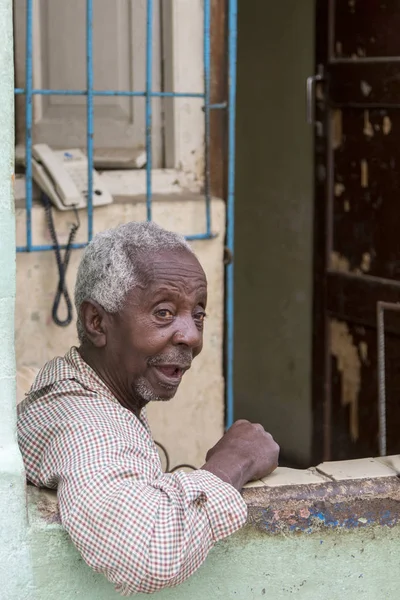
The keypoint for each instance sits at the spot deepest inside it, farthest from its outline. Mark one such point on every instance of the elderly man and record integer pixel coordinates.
(140, 297)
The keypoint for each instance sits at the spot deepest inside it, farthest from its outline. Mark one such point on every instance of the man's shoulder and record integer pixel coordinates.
(57, 369)
(66, 389)
(61, 372)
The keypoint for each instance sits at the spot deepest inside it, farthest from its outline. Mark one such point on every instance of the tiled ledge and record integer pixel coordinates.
(363, 468)
(347, 494)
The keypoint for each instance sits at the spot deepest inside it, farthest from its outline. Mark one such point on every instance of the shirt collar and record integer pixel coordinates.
(73, 367)
(70, 367)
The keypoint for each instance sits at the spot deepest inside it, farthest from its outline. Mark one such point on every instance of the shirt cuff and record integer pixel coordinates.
(225, 507)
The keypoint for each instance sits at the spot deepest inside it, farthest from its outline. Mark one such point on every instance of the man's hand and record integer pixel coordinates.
(246, 452)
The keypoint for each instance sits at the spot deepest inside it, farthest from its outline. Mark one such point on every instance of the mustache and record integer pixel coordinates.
(178, 356)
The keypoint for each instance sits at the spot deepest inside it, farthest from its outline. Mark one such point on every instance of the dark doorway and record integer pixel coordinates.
(357, 225)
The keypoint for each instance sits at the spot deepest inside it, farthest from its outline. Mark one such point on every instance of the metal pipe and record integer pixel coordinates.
(29, 120)
(80, 245)
(90, 107)
(48, 92)
(230, 220)
(149, 85)
(207, 93)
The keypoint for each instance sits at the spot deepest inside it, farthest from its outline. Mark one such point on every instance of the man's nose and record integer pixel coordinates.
(188, 334)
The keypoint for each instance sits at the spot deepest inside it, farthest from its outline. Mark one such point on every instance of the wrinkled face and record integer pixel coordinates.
(153, 340)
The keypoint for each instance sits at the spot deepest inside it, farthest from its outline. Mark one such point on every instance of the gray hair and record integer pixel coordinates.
(110, 266)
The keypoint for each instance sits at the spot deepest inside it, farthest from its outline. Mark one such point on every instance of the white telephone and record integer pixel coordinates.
(63, 175)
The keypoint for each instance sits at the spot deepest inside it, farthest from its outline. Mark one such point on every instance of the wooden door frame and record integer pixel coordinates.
(177, 29)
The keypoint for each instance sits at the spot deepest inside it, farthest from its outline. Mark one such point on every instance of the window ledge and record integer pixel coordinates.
(130, 185)
(348, 495)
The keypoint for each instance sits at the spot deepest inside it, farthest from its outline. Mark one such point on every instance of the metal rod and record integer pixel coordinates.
(218, 106)
(78, 246)
(380, 309)
(89, 81)
(311, 82)
(381, 380)
(207, 93)
(48, 92)
(48, 247)
(29, 121)
(230, 226)
(149, 85)
(200, 236)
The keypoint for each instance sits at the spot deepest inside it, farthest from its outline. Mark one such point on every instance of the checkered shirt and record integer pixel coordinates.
(142, 528)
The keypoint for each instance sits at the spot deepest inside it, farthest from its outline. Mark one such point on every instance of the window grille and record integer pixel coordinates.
(148, 94)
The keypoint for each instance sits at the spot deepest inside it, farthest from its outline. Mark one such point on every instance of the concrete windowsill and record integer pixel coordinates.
(348, 494)
(130, 186)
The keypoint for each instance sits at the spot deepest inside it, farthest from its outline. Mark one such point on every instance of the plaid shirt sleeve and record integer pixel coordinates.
(143, 529)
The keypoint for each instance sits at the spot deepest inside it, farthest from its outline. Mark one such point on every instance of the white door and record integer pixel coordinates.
(59, 62)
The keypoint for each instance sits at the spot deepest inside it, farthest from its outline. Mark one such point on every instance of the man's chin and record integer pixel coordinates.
(154, 393)
(164, 395)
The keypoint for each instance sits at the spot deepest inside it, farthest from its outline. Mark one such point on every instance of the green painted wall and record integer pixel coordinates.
(273, 258)
(14, 560)
(331, 564)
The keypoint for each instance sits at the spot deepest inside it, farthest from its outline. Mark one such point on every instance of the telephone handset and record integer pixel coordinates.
(62, 175)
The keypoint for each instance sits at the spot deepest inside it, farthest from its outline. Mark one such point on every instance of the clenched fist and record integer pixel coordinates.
(246, 452)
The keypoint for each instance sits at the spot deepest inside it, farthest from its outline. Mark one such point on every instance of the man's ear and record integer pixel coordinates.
(94, 320)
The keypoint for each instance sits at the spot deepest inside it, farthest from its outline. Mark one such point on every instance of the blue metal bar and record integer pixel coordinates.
(149, 85)
(207, 92)
(79, 246)
(47, 247)
(218, 106)
(28, 121)
(46, 92)
(200, 236)
(89, 80)
(230, 231)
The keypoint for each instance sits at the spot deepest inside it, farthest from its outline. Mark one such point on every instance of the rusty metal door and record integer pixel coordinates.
(357, 224)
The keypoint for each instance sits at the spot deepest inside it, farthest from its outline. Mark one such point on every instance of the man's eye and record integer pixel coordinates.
(200, 316)
(164, 313)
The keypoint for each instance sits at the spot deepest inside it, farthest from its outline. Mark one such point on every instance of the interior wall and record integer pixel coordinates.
(193, 421)
(274, 205)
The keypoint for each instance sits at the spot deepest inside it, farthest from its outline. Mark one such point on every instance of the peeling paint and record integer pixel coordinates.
(366, 89)
(339, 189)
(387, 125)
(368, 129)
(337, 129)
(366, 262)
(348, 360)
(339, 263)
(363, 350)
(364, 173)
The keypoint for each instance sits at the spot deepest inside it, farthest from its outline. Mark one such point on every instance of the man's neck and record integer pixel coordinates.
(91, 356)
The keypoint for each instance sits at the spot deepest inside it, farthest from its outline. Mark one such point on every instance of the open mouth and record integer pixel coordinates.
(170, 371)
(169, 375)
